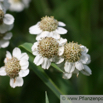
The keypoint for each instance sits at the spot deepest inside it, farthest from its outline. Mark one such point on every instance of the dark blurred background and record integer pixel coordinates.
(84, 22)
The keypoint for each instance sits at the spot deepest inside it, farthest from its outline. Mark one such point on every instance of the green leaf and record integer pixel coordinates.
(26, 47)
(46, 98)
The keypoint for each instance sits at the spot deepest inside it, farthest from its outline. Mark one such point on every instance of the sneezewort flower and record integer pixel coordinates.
(16, 67)
(76, 59)
(4, 39)
(48, 50)
(6, 21)
(48, 27)
(18, 5)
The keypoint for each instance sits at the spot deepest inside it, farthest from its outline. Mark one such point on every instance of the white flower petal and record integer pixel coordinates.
(84, 49)
(35, 45)
(61, 23)
(89, 59)
(79, 65)
(23, 73)
(42, 35)
(69, 67)
(55, 35)
(24, 56)
(59, 60)
(4, 43)
(35, 48)
(12, 83)
(38, 60)
(7, 36)
(67, 75)
(5, 60)
(25, 66)
(17, 53)
(86, 71)
(18, 6)
(6, 4)
(35, 29)
(46, 63)
(50, 34)
(2, 71)
(8, 19)
(61, 50)
(24, 63)
(8, 55)
(61, 30)
(18, 81)
(84, 58)
(62, 41)
(4, 28)
(10, 27)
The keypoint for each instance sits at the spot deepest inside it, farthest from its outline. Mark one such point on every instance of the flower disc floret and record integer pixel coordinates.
(48, 23)
(48, 47)
(72, 52)
(12, 67)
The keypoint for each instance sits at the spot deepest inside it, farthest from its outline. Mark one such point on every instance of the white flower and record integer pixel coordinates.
(48, 27)
(6, 21)
(16, 67)
(18, 5)
(76, 59)
(48, 50)
(4, 39)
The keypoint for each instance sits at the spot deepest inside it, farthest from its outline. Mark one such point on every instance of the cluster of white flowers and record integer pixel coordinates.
(16, 65)
(50, 47)
(6, 24)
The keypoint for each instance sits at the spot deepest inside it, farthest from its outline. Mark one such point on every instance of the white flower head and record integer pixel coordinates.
(48, 50)
(4, 39)
(6, 21)
(18, 5)
(76, 59)
(48, 27)
(16, 67)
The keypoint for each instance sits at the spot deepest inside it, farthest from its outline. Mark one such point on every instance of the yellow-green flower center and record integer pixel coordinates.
(48, 24)
(1, 16)
(48, 47)
(72, 52)
(12, 67)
